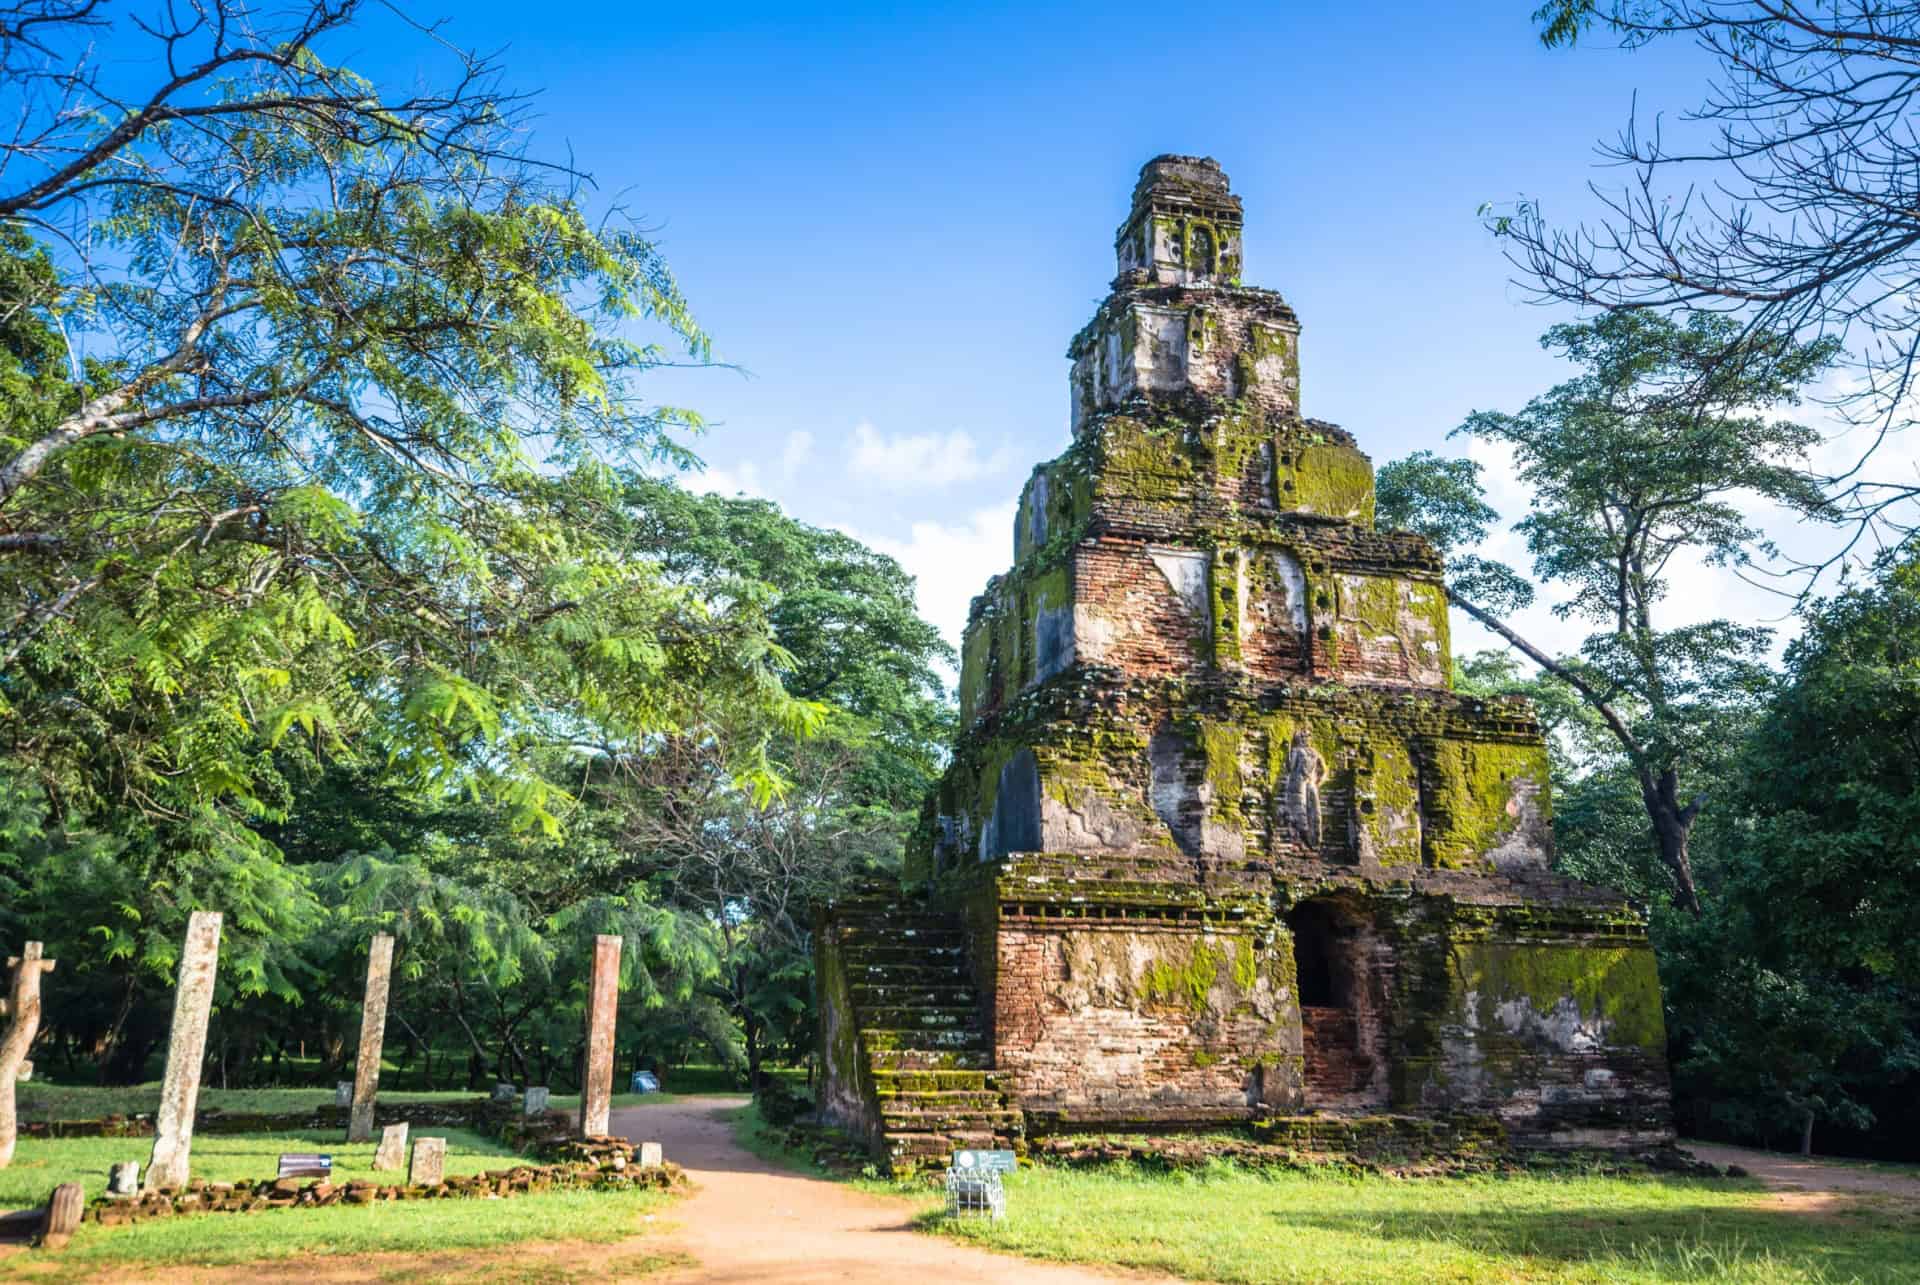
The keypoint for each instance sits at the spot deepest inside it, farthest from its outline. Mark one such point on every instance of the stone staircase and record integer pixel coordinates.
(919, 1019)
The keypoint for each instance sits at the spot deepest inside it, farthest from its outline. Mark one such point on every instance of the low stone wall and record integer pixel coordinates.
(474, 1113)
(599, 1164)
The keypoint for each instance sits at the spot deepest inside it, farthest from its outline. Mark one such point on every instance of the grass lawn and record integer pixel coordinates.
(1238, 1225)
(1233, 1225)
(210, 1239)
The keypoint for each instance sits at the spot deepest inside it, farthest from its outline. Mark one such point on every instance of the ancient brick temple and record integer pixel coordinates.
(1218, 842)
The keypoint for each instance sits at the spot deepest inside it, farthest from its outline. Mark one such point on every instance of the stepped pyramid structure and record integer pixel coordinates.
(1218, 842)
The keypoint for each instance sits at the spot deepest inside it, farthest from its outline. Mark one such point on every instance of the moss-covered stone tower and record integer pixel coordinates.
(1218, 841)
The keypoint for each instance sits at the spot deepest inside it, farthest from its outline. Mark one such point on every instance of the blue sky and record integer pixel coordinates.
(894, 219)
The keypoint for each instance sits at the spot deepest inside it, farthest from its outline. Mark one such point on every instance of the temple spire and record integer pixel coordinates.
(1184, 228)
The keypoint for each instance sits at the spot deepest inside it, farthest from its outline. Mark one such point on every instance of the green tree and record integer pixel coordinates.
(1638, 460)
(1799, 1001)
(1781, 197)
(353, 358)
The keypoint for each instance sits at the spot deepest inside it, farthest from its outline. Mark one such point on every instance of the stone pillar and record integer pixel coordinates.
(393, 1147)
(21, 1007)
(428, 1166)
(373, 1034)
(186, 1050)
(603, 1005)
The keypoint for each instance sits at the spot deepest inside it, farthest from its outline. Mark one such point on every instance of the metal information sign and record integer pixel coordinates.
(986, 1161)
(973, 1183)
(305, 1164)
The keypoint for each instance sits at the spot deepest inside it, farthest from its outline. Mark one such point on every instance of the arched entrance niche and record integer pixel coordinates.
(1337, 962)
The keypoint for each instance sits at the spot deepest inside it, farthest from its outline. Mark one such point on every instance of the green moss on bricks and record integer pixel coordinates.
(1143, 461)
(1394, 819)
(1226, 588)
(1185, 974)
(1478, 791)
(1220, 742)
(1333, 481)
(1615, 989)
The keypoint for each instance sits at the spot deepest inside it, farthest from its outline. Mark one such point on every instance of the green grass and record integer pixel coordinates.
(209, 1239)
(1227, 1224)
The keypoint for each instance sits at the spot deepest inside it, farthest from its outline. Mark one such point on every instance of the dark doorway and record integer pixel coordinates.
(1339, 1033)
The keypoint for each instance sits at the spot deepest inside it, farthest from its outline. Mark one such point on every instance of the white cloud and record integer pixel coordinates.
(744, 480)
(921, 459)
(798, 450)
(951, 563)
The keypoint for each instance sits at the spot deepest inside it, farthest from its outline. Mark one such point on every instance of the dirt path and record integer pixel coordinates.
(753, 1221)
(1811, 1183)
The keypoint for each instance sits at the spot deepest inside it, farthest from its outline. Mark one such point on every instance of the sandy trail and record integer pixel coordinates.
(1811, 1183)
(753, 1221)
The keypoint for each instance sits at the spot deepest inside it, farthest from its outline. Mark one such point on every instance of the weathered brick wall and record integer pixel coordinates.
(1139, 1021)
(1128, 615)
(1546, 1014)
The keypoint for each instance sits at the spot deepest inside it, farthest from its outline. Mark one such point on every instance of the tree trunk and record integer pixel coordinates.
(1672, 827)
(23, 1023)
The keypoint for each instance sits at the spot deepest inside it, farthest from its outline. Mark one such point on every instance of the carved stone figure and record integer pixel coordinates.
(1300, 795)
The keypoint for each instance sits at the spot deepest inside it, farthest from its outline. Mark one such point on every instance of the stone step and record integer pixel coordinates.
(916, 1017)
(951, 1081)
(903, 928)
(919, 1059)
(932, 1039)
(912, 970)
(895, 951)
(948, 1122)
(939, 1147)
(943, 1100)
(918, 994)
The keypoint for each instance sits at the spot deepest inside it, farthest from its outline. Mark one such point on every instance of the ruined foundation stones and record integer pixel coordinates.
(373, 1029)
(603, 1006)
(1218, 841)
(20, 1006)
(392, 1151)
(186, 1047)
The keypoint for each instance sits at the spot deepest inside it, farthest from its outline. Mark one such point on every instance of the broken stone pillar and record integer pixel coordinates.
(393, 1147)
(21, 1008)
(603, 1004)
(373, 1031)
(651, 1154)
(429, 1162)
(64, 1209)
(536, 1103)
(186, 1049)
(343, 1093)
(123, 1179)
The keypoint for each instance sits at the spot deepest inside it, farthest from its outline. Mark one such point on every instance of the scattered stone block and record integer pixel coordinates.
(392, 1151)
(123, 1179)
(429, 1162)
(504, 1092)
(651, 1154)
(343, 1093)
(536, 1099)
